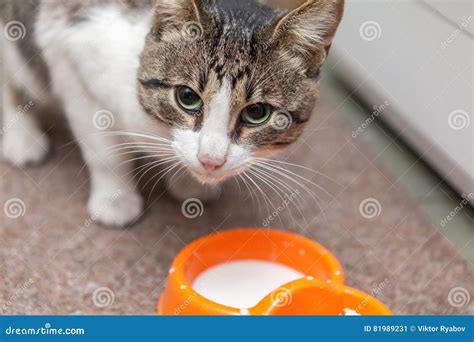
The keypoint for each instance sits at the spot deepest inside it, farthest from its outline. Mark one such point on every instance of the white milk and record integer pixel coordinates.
(349, 312)
(243, 284)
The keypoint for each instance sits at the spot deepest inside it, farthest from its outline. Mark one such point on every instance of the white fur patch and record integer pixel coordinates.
(213, 139)
(104, 54)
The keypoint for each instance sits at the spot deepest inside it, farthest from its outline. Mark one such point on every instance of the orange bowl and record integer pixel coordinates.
(364, 304)
(324, 275)
(314, 297)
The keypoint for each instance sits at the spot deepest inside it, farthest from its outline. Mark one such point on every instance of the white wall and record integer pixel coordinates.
(419, 57)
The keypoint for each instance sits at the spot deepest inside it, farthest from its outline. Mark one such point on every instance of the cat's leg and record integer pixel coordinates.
(24, 142)
(185, 187)
(114, 199)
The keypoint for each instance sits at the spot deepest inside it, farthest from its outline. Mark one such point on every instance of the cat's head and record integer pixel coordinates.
(234, 79)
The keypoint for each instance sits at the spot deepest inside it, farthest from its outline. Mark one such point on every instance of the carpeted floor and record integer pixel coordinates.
(53, 261)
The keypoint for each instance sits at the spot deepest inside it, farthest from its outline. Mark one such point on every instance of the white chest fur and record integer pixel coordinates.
(102, 53)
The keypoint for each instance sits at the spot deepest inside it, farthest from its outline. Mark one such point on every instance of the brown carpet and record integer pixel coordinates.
(52, 261)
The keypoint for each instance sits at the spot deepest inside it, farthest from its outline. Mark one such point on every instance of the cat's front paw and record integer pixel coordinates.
(116, 209)
(24, 148)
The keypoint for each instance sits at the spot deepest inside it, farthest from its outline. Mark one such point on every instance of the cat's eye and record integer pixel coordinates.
(188, 99)
(256, 114)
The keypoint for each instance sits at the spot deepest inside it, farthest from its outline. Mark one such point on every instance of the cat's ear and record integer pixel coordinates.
(310, 27)
(177, 14)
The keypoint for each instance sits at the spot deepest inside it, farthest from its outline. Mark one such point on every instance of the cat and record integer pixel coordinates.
(204, 85)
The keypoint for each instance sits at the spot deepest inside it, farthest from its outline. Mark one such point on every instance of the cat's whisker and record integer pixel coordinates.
(276, 190)
(248, 188)
(236, 180)
(287, 172)
(161, 172)
(175, 174)
(168, 157)
(144, 145)
(259, 178)
(153, 166)
(136, 135)
(297, 201)
(164, 174)
(252, 191)
(264, 195)
(280, 181)
(142, 154)
(297, 166)
(159, 148)
(313, 195)
(137, 144)
(129, 145)
(286, 176)
(178, 174)
(168, 143)
(138, 170)
(142, 151)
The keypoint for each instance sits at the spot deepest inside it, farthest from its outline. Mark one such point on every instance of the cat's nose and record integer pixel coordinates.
(211, 164)
(213, 150)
